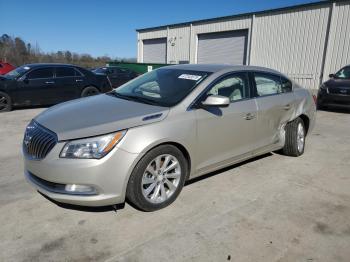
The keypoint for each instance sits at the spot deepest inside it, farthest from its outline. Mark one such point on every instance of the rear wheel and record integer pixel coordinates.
(90, 91)
(158, 178)
(5, 102)
(295, 138)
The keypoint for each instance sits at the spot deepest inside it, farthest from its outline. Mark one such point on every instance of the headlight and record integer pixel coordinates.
(94, 147)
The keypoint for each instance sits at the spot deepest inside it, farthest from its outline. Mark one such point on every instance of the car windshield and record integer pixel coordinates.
(17, 72)
(163, 87)
(343, 73)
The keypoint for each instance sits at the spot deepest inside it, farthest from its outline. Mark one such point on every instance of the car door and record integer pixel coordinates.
(226, 134)
(275, 101)
(68, 83)
(35, 87)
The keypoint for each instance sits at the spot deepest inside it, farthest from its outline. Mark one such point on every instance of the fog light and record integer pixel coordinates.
(73, 188)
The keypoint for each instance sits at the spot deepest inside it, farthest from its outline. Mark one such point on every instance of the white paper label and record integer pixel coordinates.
(190, 77)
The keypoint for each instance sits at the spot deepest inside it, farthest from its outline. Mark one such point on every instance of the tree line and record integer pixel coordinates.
(16, 51)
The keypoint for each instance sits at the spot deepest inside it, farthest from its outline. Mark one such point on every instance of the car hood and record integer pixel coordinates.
(344, 83)
(98, 115)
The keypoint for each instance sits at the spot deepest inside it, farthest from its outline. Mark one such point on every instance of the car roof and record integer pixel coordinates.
(213, 68)
(47, 64)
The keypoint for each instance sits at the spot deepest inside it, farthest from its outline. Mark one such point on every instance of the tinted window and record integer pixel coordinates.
(164, 87)
(267, 84)
(235, 87)
(286, 85)
(41, 73)
(343, 73)
(65, 71)
(77, 72)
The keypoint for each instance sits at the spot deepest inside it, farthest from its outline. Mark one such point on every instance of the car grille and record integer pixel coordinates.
(339, 90)
(38, 141)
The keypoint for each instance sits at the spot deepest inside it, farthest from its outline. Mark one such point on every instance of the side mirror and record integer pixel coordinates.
(219, 101)
(331, 75)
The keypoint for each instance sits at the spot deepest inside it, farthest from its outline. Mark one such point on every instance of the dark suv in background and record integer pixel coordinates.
(336, 91)
(117, 75)
(48, 84)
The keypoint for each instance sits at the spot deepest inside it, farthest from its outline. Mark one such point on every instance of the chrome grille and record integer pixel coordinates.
(38, 141)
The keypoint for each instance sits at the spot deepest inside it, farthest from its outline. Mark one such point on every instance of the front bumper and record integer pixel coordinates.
(107, 176)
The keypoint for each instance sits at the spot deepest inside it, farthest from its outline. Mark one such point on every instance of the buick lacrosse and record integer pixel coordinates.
(142, 141)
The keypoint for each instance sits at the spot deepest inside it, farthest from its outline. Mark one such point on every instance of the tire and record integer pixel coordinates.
(5, 102)
(149, 188)
(90, 91)
(295, 138)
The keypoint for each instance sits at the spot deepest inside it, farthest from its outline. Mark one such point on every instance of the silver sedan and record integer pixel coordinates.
(142, 141)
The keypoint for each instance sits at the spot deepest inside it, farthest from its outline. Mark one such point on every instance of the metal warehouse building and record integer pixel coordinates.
(306, 42)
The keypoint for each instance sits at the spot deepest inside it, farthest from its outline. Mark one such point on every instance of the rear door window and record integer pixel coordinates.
(65, 72)
(267, 84)
(287, 85)
(41, 73)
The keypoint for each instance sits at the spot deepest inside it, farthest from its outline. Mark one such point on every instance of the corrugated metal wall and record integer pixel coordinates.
(178, 45)
(338, 50)
(293, 41)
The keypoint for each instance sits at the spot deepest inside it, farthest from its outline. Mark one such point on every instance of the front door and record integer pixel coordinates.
(35, 88)
(226, 134)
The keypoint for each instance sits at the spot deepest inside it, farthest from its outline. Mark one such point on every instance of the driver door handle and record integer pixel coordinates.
(49, 82)
(249, 116)
(78, 80)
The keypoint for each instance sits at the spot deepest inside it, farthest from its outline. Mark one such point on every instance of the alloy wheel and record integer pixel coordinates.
(3, 102)
(300, 137)
(161, 178)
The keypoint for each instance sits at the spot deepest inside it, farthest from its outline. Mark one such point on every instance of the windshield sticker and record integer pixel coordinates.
(190, 77)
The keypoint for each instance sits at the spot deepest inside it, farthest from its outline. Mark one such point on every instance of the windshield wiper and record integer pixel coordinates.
(134, 98)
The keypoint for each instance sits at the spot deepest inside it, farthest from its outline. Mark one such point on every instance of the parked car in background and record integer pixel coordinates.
(48, 84)
(336, 91)
(162, 128)
(5, 67)
(117, 75)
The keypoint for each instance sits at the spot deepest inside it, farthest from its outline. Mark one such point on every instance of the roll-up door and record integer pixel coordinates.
(223, 47)
(154, 50)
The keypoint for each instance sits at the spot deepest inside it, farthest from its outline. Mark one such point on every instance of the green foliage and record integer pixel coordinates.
(17, 52)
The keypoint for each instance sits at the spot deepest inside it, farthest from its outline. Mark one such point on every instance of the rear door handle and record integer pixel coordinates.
(287, 107)
(249, 116)
(49, 82)
(78, 80)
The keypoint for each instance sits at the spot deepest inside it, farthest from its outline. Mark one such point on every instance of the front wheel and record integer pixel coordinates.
(295, 138)
(158, 178)
(90, 91)
(5, 102)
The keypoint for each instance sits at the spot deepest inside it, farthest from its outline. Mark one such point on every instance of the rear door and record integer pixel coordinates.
(36, 87)
(275, 102)
(225, 134)
(68, 81)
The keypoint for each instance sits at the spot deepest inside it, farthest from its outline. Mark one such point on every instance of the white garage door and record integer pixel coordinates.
(154, 50)
(223, 47)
